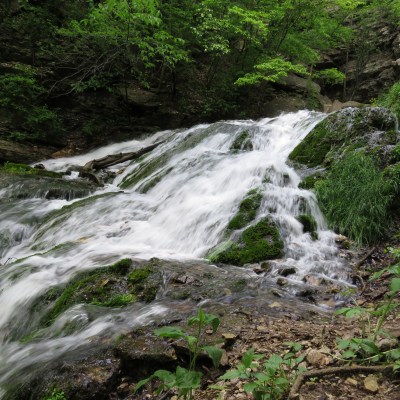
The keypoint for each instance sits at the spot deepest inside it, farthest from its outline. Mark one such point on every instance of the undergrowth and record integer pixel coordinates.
(355, 198)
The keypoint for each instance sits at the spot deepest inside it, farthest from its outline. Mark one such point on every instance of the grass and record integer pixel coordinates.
(355, 198)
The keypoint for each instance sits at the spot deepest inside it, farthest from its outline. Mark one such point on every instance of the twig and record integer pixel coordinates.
(293, 394)
(362, 261)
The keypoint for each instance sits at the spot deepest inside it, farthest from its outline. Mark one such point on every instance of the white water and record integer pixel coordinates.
(182, 217)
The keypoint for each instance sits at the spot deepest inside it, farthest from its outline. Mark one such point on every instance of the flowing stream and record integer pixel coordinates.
(173, 203)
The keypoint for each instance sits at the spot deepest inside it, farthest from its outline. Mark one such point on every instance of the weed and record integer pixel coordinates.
(355, 198)
(271, 379)
(365, 348)
(183, 379)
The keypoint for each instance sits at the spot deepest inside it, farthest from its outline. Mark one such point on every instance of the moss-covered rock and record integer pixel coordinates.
(247, 210)
(368, 127)
(112, 286)
(242, 142)
(309, 181)
(309, 225)
(23, 169)
(23, 181)
(259, 242)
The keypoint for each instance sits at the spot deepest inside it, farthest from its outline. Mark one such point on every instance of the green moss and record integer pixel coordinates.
(101, 286)
(343, 132)
(121, 267)
(154, 181)
(309, 224)
(119, 300)
(239, 285)
(313, 149)
(309, 182)
(247, 210)
(259, 242)
(23, 169)
(139, 275)
(242, 142)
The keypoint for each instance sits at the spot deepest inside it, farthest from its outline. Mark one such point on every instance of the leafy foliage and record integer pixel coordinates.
(270, 379)
(365, 348)
(355, 198)
(20, 102)
(183, 379)
(391, 100)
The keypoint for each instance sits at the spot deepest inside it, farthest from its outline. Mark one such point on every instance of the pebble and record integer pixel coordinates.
(371, 383)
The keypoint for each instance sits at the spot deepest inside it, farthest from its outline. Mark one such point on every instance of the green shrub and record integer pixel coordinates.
(22, 107)
(355, 198)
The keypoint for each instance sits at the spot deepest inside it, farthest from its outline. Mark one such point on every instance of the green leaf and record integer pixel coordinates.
(186, 379)
(274, 362)
(166, 377)
(249, 387)
(212, 320)
(141, 383)
(248, 358)
(395, 285)
(394, 353)
(191, 340)
(348, 354)
(231, 374)
(343, 344)
(214, 353)
(172, 332)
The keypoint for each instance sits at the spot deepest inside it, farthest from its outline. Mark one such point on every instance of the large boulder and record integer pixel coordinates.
(373, 128)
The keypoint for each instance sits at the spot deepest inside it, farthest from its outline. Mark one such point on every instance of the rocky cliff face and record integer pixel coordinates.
(371, 63)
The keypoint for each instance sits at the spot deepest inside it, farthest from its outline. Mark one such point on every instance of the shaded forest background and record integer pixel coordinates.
(79, 73)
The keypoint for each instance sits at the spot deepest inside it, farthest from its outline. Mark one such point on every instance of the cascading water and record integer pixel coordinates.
(173, 203)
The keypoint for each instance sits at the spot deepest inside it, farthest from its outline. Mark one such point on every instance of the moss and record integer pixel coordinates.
(119, 300)
(154, 181)
(101, 286)
(309, 225)
(313, 149)
(242, 142)
(239, 285)
(247, 210)
(23, 169)
(345, 131)
(259, 242)
(309, 181)
(139, 275)
(121, 266)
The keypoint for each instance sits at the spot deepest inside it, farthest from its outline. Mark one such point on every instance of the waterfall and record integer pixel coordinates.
(173, 203)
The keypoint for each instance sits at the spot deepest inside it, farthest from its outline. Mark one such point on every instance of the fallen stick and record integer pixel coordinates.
(293, 394)
(114, 159)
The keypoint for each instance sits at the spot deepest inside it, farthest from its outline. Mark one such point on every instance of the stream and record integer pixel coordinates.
(173, 204)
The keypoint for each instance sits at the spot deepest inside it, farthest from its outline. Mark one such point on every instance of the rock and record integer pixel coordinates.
(373, 128)
(266, 266)
(275, 304)
(351, 381)
(317, 358)
(23, 153)
(312, 280)
(282, 281)
(387, 344)
(299, 84)
(371, 383)
(287, 271)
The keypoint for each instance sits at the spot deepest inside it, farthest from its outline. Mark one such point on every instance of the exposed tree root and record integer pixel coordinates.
(293, 394)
